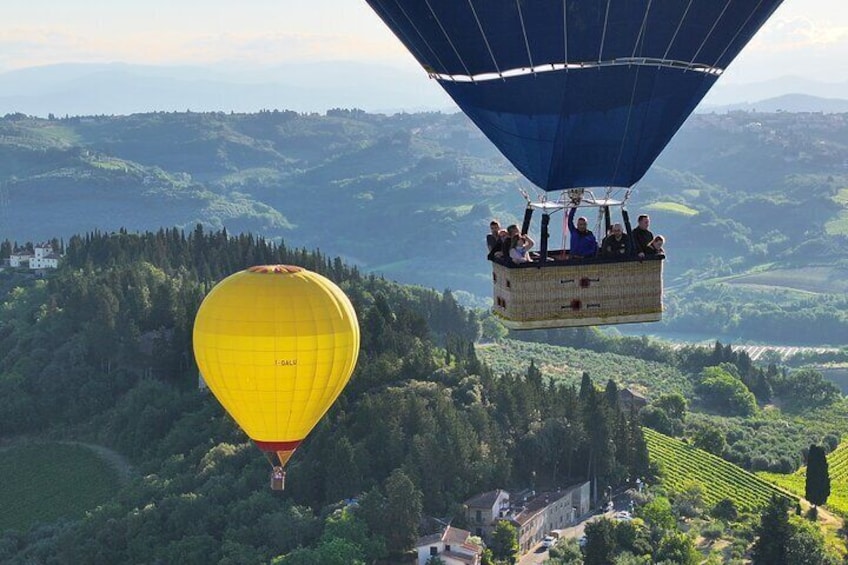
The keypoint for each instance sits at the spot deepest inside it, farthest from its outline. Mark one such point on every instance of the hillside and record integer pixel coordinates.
(750, 203)
(838, 471)
(683, 463)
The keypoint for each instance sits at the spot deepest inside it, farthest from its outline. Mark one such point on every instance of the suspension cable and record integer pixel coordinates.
(642, 29)
(709, 33)
(604, 33)
(524, 31)
(444, 31)
(679, 26)
(414, 27)
(485, 39)
(738, 31)
(565, 32)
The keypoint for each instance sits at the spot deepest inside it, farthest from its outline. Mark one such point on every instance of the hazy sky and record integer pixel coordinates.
(807, 38)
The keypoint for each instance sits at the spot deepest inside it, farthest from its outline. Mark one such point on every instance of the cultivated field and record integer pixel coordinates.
(838, 468)
(818, 280)
(720, 479)
(46, 481)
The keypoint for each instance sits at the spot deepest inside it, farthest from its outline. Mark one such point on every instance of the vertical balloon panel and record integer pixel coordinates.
(276, 345)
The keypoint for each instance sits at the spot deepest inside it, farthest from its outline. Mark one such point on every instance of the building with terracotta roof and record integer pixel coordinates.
(452, 545)
(532, 514)
(482, 510)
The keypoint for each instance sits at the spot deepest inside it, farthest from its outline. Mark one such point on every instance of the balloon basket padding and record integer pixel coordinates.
(577, 292)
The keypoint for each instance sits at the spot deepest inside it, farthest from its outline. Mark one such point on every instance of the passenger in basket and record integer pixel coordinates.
(616, 245)
(519, 250)
(656, 246)
(583, 242)
(642, 237)
(492, 238)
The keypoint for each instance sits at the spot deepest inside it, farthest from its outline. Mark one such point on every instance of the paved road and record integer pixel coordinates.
(539, 554)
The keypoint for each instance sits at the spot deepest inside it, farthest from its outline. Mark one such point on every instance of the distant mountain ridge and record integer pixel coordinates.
(121, 89)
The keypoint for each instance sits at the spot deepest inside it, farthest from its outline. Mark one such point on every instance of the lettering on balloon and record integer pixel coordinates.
(285, 362)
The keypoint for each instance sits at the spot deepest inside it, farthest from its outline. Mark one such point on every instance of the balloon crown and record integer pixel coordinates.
(275, 269)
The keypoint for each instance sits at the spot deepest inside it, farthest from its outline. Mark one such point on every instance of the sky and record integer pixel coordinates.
(806, 38)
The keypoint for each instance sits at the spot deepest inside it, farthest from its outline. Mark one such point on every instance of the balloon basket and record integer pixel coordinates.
(577, 292)
(278, 479)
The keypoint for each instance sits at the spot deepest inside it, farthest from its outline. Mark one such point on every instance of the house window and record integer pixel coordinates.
(434, 550)
(479, 516)
(447, 548)
(479, 532)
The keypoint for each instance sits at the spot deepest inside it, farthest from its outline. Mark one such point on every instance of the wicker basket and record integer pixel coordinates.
(578, 293)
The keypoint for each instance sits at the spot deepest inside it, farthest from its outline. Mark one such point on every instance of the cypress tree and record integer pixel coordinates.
(818, 477)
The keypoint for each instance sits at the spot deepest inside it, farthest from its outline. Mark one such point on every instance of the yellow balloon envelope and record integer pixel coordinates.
(276, 344)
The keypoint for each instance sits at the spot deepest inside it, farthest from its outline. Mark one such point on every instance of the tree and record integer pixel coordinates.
(403, 511)
(657, 513)
(677, 548)
(725, 509)
(600, 542)
(773, 533)
(807, 546)
(711, 439)
(725, 393)
(674, 404)
(504, 542)
(817, 488)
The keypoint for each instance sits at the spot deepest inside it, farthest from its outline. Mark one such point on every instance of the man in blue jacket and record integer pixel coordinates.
(583, 242)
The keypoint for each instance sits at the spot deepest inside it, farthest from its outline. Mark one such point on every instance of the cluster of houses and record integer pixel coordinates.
(43, 257)
(533, 514)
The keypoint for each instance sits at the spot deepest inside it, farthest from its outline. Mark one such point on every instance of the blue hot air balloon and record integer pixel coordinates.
(575, 93)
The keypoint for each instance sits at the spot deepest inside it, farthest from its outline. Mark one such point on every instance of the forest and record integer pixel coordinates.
(99, 352)
(754, 206)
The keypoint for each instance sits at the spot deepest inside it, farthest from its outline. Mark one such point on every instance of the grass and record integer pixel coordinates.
(673, 207)
(720, 479)
(44, 482)
(839, 224)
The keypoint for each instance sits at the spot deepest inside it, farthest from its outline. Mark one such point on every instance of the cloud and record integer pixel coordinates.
(799, 34)
(41, 46)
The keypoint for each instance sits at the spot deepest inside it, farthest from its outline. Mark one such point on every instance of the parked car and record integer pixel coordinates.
(623, 515)
(548, 542)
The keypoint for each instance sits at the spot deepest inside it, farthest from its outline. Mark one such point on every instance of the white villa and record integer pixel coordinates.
(43, 258)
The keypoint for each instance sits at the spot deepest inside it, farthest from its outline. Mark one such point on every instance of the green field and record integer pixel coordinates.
(682, 463)
(672, 207)
(819, 280)
(564, 364)
(839, 224)
(47, 481)
(838, 468)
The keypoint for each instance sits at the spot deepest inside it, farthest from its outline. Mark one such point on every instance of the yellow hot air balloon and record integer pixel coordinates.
(276, 344)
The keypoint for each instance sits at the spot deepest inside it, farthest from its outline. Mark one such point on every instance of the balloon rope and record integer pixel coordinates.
(444, 31)
(738, 31)
(709, 33)
(485, 39)
(679, 25)
(524, 31)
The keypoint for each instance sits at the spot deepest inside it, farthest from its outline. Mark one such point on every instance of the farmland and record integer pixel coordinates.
(682, 463)
(838, 467)
(44, 482)
(818, 280)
